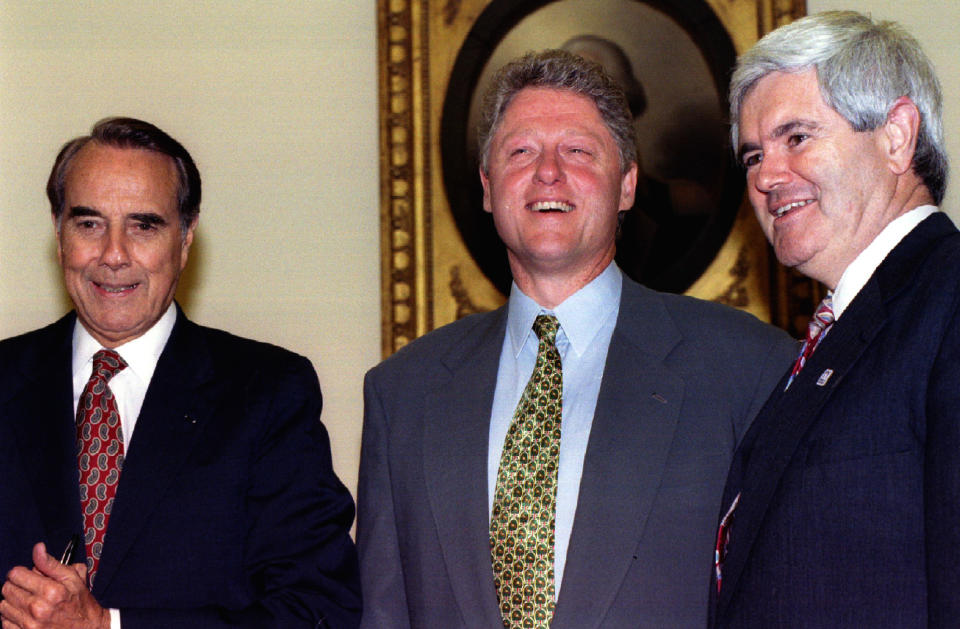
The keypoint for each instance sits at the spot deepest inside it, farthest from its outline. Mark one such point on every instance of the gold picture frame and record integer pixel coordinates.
(429, 275)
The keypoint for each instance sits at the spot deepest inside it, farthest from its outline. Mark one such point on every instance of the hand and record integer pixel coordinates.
(51, 596)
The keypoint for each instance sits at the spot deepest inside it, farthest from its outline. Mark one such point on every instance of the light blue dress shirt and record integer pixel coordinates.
(587, 319)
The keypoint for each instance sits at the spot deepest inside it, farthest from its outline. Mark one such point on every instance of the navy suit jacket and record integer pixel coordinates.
(682, 381)
(850, 480)
(228, 512)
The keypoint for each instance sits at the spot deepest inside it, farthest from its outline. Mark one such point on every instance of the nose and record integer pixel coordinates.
(115, 254)
(771, 171)
(549, 168)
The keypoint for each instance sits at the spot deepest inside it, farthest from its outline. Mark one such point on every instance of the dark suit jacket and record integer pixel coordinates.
(228, 512)
(682, 380)
(850, 506)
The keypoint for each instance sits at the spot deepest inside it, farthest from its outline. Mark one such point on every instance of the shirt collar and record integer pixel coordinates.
(581, 315)
(855, 276)
(141, 354)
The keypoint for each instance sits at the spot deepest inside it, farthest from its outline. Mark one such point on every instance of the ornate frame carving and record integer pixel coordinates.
(427, 276)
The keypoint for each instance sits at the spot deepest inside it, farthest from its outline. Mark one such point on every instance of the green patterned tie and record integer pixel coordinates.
(522, 524)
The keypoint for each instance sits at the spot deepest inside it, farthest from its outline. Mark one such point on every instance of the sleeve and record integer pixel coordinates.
(942, 482)
(384, 593)
(298, 554)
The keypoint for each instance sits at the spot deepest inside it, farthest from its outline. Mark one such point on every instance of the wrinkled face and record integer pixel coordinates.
(555, 185)
(119, 240)
(819, 189)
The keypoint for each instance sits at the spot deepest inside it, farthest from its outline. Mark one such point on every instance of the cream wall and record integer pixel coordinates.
(277, 102)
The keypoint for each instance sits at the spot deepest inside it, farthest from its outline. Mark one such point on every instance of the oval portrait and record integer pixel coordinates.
(673, 60)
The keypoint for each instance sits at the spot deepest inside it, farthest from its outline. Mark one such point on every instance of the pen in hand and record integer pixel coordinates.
(67, 557)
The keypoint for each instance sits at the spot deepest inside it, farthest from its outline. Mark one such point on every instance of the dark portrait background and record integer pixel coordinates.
(673, 59)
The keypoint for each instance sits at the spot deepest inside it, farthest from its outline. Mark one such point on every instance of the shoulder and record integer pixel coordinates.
(54, 334)
(33, 350)
(463, 335)
(235, 357)
(697, 320)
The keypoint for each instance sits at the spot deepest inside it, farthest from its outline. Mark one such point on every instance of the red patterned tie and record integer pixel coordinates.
(816, 330)
(99, 453)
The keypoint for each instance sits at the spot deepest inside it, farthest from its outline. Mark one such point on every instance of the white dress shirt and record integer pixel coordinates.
(859, 271)
(129, 386)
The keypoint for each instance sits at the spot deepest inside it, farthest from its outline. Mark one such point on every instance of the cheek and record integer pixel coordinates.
(71, 256)
(758, 201)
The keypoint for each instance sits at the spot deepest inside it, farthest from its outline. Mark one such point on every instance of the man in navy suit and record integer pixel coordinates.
(656, 391)
(842, 508)
(227, 511)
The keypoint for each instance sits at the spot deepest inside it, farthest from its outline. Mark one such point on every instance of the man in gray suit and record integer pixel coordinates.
(473, 511)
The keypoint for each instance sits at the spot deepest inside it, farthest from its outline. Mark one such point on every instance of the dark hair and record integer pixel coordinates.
(561, 70)
(133, 134)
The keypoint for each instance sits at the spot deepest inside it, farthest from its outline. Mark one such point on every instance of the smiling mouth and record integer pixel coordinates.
(551, 206)
(116, 289)
(783, 209)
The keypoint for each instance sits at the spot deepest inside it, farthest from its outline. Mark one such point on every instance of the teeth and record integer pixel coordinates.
(780, 211)
(117, 289)
(551, 206)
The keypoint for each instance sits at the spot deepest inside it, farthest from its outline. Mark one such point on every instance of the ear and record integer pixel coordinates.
(56, 234)
(899, 134)
(187, 241)
(485, 182)
(628, 188)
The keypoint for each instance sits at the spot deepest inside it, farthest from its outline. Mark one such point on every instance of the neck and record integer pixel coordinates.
(909, 194)
(550, 290)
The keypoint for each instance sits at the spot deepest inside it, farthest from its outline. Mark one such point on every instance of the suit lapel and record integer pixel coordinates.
(178, 400)
(788, 415)
(636, 416)
(455, 442)
(44, 429)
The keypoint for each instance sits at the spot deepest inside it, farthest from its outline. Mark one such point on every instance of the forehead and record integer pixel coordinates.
(538, 108)
(98, 169)
(780, 98)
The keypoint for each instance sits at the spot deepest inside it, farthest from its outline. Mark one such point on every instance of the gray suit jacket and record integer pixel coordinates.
(682, 381)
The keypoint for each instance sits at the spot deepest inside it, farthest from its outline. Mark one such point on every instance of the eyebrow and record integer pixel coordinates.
(147, 217)
(747, 147)
(778, 132)
(151, 218)
(82, 210)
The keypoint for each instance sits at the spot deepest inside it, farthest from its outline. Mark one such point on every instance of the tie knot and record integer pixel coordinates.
(107, 363)
(823, 317)
(546, 327)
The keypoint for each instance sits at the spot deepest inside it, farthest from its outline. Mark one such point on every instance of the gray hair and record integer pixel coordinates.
(862, 67)
(561, 70)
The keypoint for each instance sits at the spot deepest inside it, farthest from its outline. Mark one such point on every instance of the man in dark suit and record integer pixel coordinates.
(227, 511)
(583, 497)
(842, 508)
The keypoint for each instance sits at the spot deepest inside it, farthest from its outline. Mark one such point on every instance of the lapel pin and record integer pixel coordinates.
(822, 380)
(659, 398)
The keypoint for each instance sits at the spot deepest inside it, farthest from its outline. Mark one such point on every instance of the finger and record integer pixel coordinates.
(29, 580)
(9, 624)
(50, 567)
(13, 618)
(41, 589)
(15, 594)
(81, 570)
